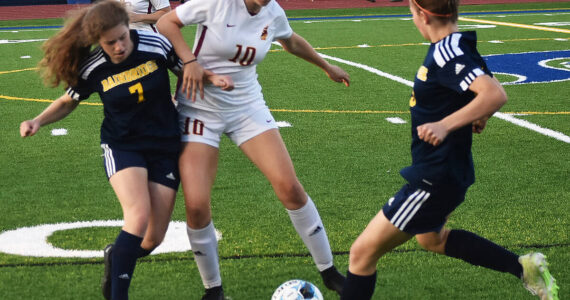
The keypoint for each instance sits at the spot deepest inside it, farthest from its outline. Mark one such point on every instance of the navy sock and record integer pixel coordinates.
(479, 251)
(124, 257)
(358, 287)
(144, 252)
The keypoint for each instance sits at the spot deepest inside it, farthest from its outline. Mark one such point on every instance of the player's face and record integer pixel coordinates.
(117, 43)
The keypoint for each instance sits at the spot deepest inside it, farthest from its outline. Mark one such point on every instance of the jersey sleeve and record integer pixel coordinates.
(173, 63)
(461, 65)
(282, 28)
(160, 4)
(80, 91)
(458, 74)
(193, 12)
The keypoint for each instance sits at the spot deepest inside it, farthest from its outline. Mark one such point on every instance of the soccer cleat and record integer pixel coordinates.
(333, 279)
(215, 293)
(106, 280)
(536, 277)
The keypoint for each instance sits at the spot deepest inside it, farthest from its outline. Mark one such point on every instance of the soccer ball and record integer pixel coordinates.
(297, 290)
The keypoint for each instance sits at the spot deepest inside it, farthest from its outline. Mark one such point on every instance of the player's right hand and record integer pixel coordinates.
(192, 80)
(29, 128)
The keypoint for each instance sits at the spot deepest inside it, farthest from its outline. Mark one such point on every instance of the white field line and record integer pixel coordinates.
(523, 123)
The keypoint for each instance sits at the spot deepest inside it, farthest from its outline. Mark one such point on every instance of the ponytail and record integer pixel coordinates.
(65, 51)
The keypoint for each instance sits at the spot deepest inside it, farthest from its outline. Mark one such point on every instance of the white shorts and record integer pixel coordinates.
(207, 127)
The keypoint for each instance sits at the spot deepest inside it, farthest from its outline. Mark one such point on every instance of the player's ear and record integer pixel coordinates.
(424, 17)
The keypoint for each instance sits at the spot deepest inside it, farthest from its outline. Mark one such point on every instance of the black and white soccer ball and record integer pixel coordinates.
(297, 290)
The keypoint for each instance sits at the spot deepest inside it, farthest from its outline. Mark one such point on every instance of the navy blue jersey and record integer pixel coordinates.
(138, 112)
(441, 87)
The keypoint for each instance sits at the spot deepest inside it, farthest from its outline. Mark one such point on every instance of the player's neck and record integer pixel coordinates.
(252, 7)
(437, 33)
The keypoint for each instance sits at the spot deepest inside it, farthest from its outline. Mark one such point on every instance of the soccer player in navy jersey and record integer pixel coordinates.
(139, 135)
(453, 96)
(232, 37)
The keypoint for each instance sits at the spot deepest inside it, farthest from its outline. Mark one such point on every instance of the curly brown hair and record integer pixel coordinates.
(66, 50)
(443, 10)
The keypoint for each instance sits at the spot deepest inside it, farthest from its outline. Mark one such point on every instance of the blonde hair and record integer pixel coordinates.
(66, 50)
(443, 10)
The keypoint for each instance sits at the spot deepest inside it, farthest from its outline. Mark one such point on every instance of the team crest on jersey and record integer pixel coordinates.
(422, 73)
(413, 99)
(264, 33)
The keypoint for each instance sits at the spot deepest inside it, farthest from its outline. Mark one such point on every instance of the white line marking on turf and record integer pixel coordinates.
(396, 120)
(369, 69)
(32, 241)
(283, 124)
(20, 41)
(58, 131)
(526, 124)
(523, 123)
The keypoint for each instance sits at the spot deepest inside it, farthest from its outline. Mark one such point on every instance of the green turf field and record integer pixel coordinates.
(346, 153)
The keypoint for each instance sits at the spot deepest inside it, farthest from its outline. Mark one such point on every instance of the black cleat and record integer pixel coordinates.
(215, 293)
(333, 279)
(106, 280)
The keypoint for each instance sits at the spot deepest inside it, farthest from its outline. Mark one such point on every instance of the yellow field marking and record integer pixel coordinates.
(44, 100)
(542, 28)
(368, 16)
(16, 71)
(326, 111)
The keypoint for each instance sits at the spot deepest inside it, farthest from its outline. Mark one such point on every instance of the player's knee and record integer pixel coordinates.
(152, 242)
(290, 192)
(361, 258)
(433, 242)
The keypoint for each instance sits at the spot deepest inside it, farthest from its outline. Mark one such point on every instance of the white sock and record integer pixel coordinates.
(309, 226)
(205, 247)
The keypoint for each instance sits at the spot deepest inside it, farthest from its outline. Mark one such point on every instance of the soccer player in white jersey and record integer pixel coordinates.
(232, 37)
(143, 14)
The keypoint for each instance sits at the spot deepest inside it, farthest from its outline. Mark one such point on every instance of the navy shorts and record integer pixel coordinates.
(415, 210)
(162, 168)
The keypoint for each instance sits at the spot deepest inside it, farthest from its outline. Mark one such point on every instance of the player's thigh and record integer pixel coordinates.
(131, 187)
(268, 152)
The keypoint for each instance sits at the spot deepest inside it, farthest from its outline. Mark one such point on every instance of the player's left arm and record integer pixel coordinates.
(148, 18)
(299, 47)
(490, 97)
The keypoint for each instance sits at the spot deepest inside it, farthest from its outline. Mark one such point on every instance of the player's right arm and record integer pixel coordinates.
(170, 26)
(56, 111)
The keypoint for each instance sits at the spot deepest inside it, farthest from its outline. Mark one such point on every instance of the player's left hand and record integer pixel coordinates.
(337, 74)
(479, 125)
(134, 17)
(432, 133)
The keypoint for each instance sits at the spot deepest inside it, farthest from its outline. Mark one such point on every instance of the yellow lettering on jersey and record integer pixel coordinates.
(129, 75)
(422, 73)
(413, 100)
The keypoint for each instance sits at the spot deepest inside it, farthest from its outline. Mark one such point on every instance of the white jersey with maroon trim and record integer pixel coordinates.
(145, 7)
(231, 41)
